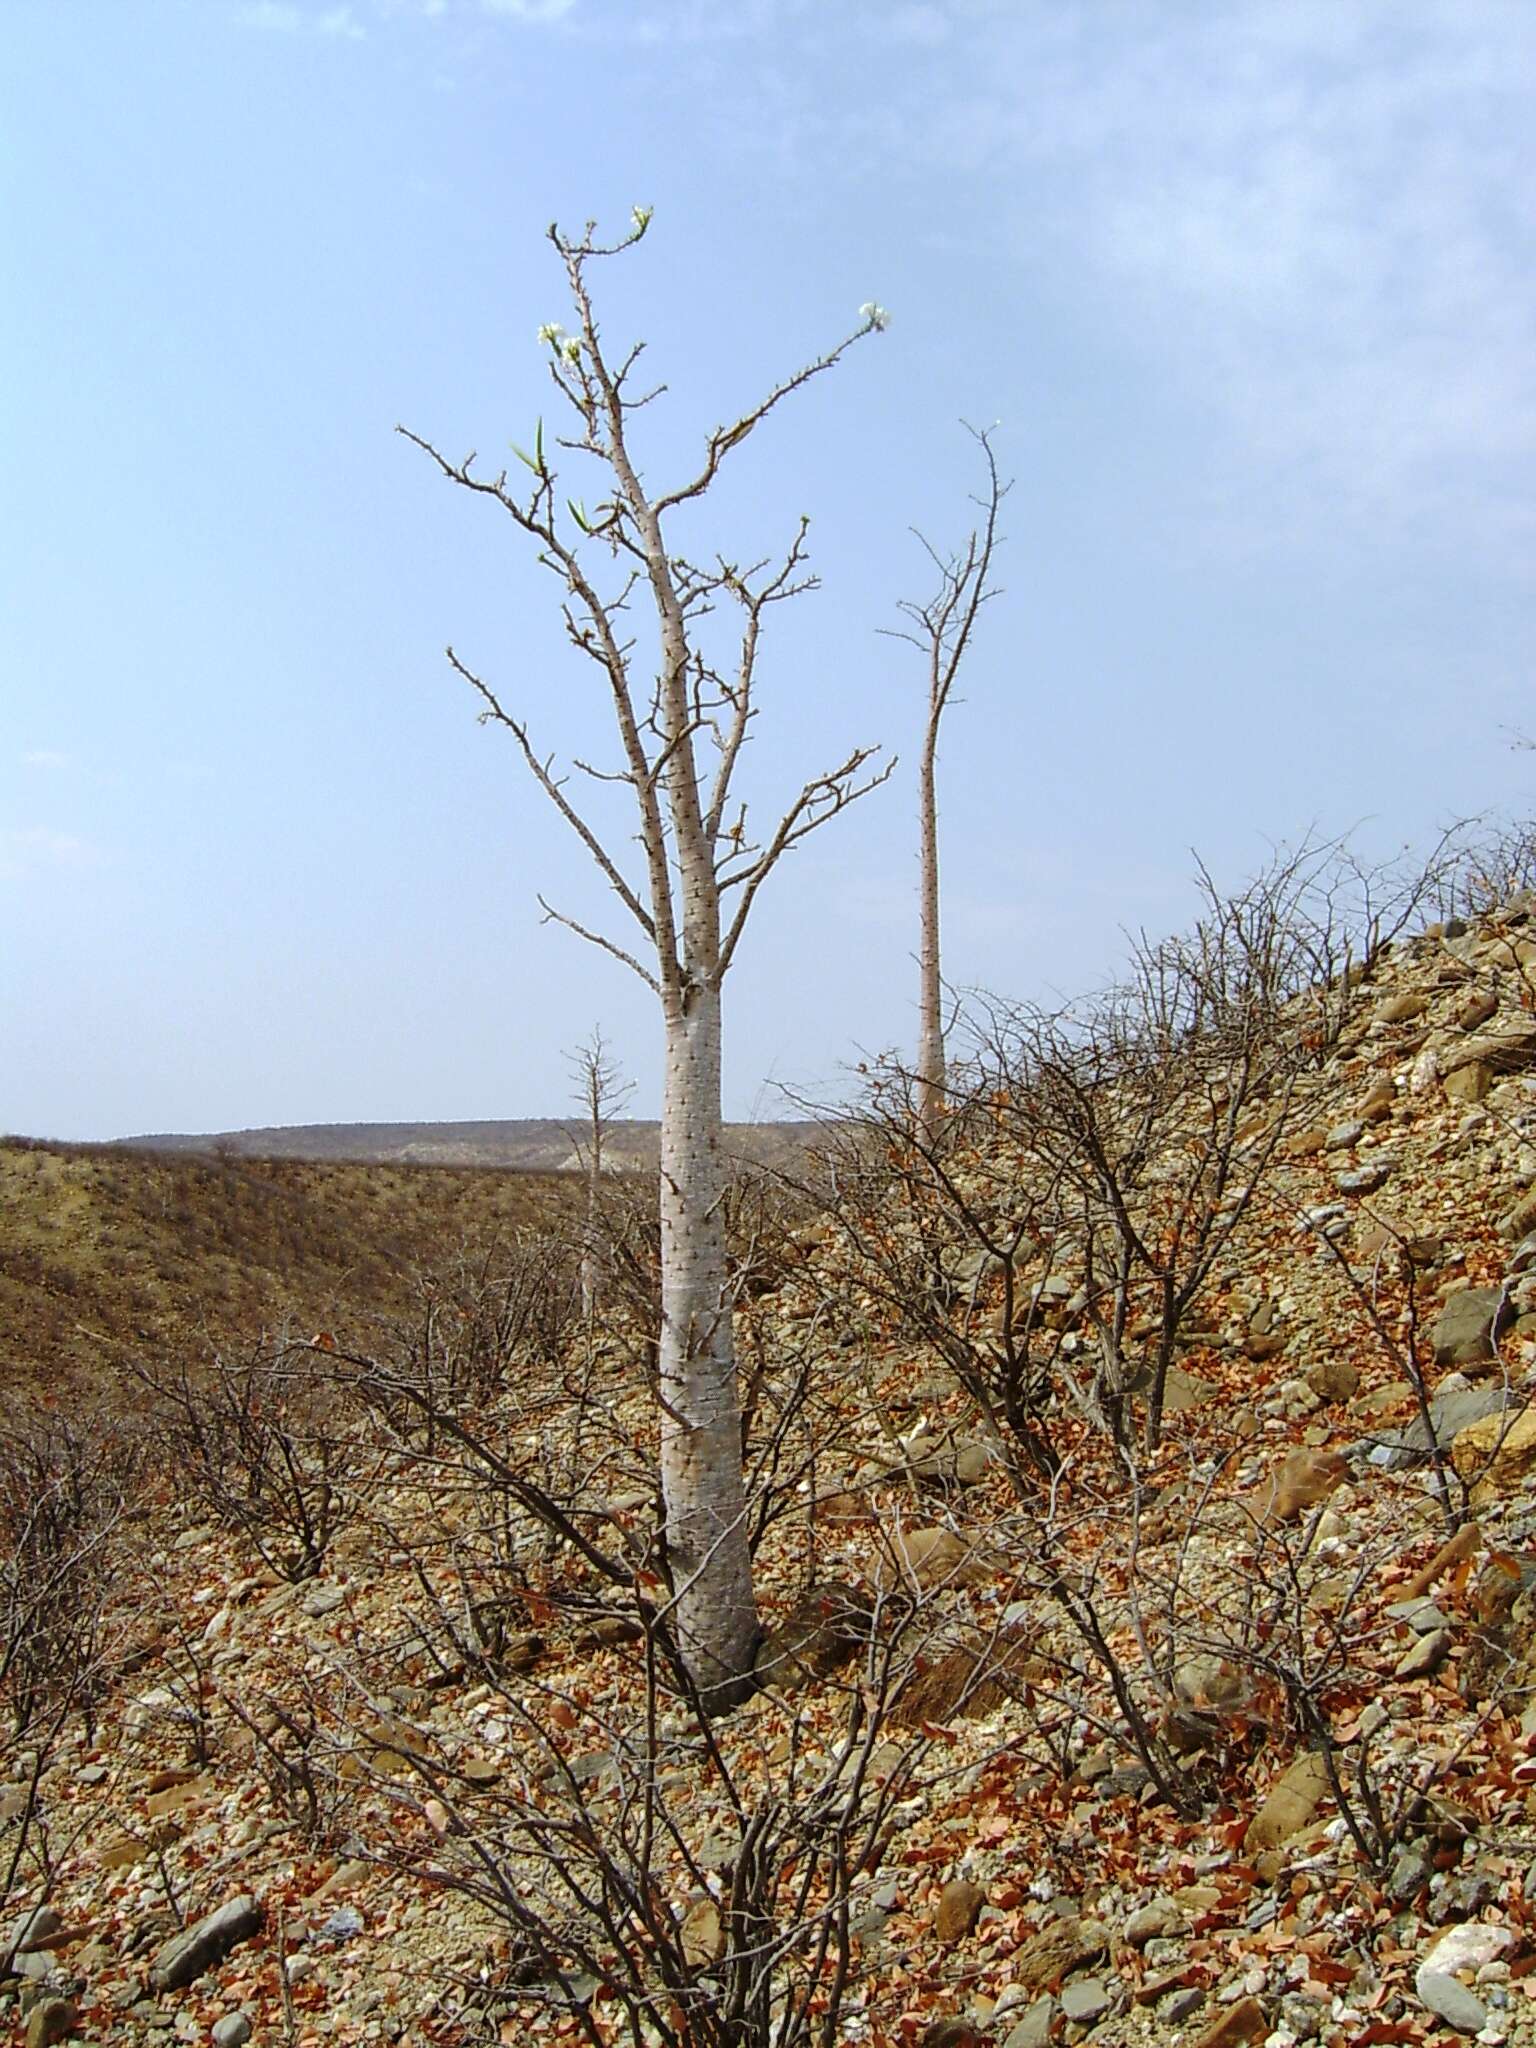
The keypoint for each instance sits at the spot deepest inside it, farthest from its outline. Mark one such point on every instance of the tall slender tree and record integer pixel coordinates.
(682, 710)
(602, 1091)
(942, 629)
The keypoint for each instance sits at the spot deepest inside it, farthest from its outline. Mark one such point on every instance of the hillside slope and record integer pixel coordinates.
(105, 1249)
(528, 1144)
(1227, 1741)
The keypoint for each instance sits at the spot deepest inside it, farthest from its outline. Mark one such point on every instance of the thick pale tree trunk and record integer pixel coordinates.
(701, 1472)
(930, 1021)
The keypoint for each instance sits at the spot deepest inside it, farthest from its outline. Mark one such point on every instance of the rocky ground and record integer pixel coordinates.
(1310, 1817)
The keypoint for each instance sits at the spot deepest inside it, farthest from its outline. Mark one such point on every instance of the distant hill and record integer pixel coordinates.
(527, 1144)
(106, 1249)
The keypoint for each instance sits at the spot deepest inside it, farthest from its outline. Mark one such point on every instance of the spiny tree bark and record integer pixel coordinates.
(941, 630)
(700, 877)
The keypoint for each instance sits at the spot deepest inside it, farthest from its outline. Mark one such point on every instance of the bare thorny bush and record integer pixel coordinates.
(655, 1872)
(1238, 1621)
(267, 1442)
(699, 1879)
(493, 1314)
(1052, 1242)
(65, 1490)
(1124, 1138)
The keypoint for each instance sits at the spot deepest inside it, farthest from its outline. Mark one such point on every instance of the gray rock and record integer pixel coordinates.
(1182, 2005)
(1342, 1136)
(50, 2020)
(1454, 1408)
(1333, 1379)
(1465, 1897)
(1086, 1999)
(1465, 1330)
(342, 1925)
(1452, 2001)
(200, 1948)
(593, 1767)
(33, 1928)
(1184, 1390)
(321, 1600)
(1425, 1656)
(1411, 1871)
(1523, 1257)
(1162, 1916)
(1421, 1615)
(1400, 1009)
(233, 2031)
(1034, 2030)
(1365, 1178)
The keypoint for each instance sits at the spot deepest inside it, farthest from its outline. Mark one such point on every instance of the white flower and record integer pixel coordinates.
(550, 334)
(570, 348)
(641, 216)
(875, 316)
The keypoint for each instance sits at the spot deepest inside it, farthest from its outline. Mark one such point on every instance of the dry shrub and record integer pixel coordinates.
(63, 1490)
(270, 1445)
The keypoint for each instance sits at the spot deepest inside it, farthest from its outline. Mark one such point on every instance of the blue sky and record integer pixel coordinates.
(1249, 288)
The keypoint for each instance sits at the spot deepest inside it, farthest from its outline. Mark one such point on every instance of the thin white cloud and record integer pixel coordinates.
(923, 25)
(272, 14)
(26, 849)
(1310, 213)
(285, 18)
(1307, 220)
(46, 757)
(529, 10)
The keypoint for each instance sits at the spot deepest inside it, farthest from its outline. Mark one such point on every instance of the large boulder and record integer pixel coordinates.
(960, 1905)
(1506, 1047)
(1046, 1956)
(1290, 1804)
(203, 1946)
(1455, 1407)
(1467, 1328)
(1301, 1480)
(1496, 1455)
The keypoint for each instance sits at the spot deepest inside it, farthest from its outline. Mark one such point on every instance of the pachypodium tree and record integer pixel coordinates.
(602, 1091)
(941, 629)
(683, 697)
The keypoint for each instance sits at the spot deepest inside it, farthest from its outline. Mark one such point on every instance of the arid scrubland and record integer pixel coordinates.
(1141, 1497)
